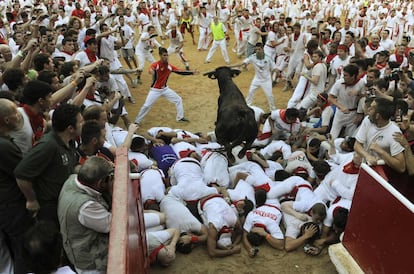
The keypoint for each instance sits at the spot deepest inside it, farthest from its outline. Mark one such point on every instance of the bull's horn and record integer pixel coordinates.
(208, 72)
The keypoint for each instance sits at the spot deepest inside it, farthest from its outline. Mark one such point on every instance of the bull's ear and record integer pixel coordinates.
(212, 76)
(235, 72)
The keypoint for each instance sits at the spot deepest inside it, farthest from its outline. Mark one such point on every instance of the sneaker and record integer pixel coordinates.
(187, 67)
(131, 100)
(183, 120)
(134, 83)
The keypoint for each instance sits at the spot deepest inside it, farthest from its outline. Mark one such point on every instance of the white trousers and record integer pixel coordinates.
(153, 96)
(266, 85)
(222, 45)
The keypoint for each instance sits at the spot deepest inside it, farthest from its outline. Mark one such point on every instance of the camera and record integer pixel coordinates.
(394, 76)
(395, 73)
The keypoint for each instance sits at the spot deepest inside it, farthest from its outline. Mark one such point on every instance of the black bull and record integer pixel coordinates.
(235, 124)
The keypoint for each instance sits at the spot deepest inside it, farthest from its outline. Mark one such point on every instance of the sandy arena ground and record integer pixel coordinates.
(200, 95)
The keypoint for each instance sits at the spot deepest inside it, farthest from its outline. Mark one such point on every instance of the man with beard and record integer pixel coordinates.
(374, 139)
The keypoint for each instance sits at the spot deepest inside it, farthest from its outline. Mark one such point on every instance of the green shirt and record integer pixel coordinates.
(47, 165)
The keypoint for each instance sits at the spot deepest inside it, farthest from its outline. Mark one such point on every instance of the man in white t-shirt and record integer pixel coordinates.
(144, 48)
(345, 95)
(176, 44)
(262, 224)
(161, 246)
(178, 216)
(317, 80)
(374, 139)
(223, 226)
(263, 67)
(337, 65)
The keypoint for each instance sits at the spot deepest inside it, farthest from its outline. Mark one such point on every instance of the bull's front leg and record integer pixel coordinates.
(229, 153)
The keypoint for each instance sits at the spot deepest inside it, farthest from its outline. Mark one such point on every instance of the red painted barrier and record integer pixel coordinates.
(127, 243)
(379, 232)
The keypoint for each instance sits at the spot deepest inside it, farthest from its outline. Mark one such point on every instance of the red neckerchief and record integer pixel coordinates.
(90, 96)
(350, 168)
(353, 83)
(373, 47)
(380, 66)
(260, 225)
(362, 75)
(153, 255)
(265, 187)
(326, 41)
(247, 17)
(296, 36)
(325, 106)
(225, 229)
(36, 122)
(173, 34)
(399, 59)
(282, 114)
(205, 14)
(91, 55)
(330, 57)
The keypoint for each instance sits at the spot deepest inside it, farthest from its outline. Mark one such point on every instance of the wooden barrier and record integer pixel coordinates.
(378, 235)
(127, 243)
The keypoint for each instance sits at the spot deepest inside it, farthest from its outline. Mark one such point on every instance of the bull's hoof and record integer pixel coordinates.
(231, 158)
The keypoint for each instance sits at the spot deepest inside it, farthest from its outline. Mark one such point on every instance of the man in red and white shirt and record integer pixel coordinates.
(160, 71)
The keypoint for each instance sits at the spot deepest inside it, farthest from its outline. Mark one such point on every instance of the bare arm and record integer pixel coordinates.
(90, 84)
(396, 162)
(333, 100)
(292, 243)
(212, 249)
(359, 148)
(128, 139)
(26, 187)
(66, 92)
(287, 207)
(409, 157)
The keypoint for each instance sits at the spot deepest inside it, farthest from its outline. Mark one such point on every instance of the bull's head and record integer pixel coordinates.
(213, 74)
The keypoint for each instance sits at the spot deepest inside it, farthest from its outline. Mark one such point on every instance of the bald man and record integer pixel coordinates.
(13, 215)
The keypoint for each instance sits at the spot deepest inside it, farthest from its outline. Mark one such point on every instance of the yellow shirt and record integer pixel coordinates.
(217, 30)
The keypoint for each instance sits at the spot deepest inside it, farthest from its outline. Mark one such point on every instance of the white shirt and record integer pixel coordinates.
(262, 67)
(369, 133)
(92, 214)
(268, 215)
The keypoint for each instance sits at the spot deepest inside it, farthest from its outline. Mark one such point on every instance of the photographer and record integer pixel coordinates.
(85, 217)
